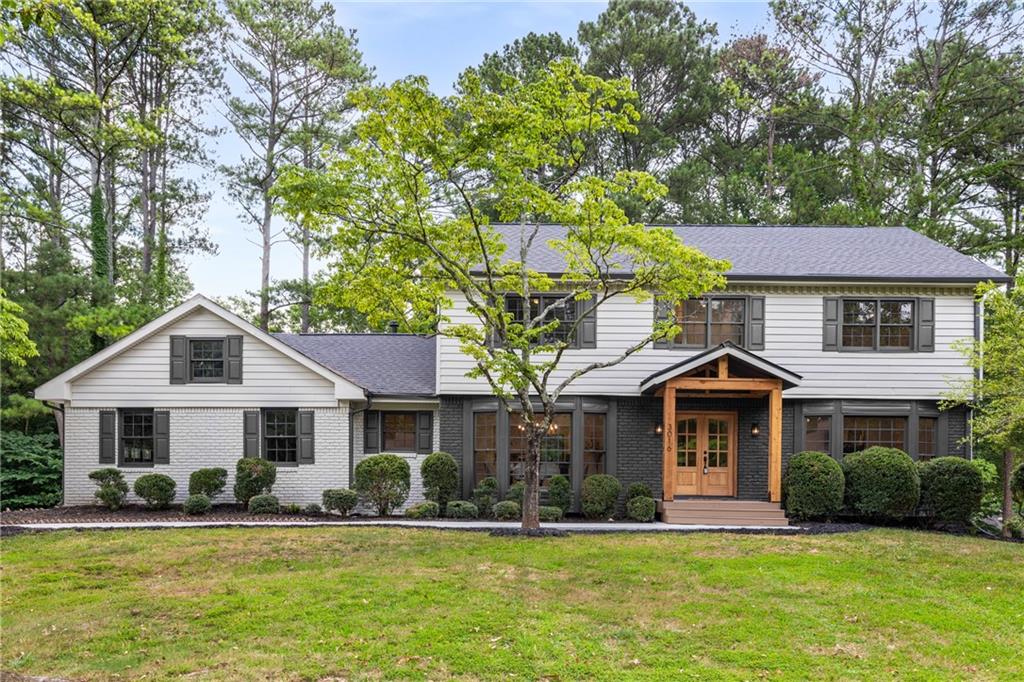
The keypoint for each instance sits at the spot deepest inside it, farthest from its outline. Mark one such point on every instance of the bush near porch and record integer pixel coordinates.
(244, 604)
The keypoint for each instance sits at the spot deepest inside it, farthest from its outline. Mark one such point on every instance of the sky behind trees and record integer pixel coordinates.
(435, 39)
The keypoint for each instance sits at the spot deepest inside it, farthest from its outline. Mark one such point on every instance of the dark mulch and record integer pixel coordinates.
(138, 513)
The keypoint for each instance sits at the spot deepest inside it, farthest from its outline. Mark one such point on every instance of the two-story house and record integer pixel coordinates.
(826, 338)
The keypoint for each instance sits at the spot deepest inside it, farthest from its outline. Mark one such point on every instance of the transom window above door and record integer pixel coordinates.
(878, 324)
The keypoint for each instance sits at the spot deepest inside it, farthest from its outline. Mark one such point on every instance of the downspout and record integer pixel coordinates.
(351, 436)
(59, 408)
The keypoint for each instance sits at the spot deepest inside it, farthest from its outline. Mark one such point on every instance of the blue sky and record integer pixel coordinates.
(436, 39)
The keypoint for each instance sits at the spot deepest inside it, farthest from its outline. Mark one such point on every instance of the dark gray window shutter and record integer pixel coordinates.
(371, 431)
(108, 436)
(251, 433)
(179, 360)
(305, 436)
(161, 437)
(586, 333)
(424, 432)
(662, 310)
(830, 332)
(755, 323)
(925, 319)
(233, 353)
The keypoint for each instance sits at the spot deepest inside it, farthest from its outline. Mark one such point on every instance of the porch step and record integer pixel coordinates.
(722, 512)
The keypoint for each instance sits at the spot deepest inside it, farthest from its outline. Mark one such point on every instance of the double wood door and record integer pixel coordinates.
(706, 453)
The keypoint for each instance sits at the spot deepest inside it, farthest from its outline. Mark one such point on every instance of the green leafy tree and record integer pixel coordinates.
(524, 60)
(15, 345)
(408, 237)
(30, 470)
(996, 392)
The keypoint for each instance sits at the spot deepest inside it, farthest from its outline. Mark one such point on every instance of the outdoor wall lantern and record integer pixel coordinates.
(755, 430)
(658, 429)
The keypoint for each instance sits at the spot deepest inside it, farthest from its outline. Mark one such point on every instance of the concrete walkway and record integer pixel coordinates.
(654, 527)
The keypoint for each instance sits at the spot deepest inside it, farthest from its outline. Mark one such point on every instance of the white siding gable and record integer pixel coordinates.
(793, 339)
(139, 376)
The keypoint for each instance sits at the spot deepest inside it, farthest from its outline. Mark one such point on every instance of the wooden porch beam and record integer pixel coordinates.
(723, 384)
(668, 439)
(718, 394)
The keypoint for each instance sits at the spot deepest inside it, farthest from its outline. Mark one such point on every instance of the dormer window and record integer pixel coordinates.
(206, 360)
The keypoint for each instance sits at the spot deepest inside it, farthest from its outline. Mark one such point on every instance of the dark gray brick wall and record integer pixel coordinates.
(957, 431)
(451, 429)
(638, 447)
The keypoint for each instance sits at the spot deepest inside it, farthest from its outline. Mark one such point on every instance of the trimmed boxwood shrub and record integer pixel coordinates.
(515, 492)
(312, 509)
(196, 505)
(549, 513)
(560, 493)
(423, 510)
(600, 493)
(112, 488)
(156, 489)
(641, 508)
(209, 482)
(440, 478)
(508, 510)
(341, 500)
(460, 509)
(264, 504)
(383, 480)
(881, 483)
(951, 489)
(253, 477)
(638, 490)
(485, 495)
(813, 486)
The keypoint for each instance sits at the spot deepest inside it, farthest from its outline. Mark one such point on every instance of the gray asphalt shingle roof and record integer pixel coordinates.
(800, 253)
(383, 364)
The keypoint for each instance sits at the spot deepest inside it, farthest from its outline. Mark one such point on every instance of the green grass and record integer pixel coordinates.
(293, 603)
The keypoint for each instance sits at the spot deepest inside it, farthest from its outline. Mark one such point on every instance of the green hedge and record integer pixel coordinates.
(209, 482)
(460, 509)
(423, 510)
(508, 510)
(951, 490)
(253, 477)
(196, 504)
(440, 476)
(881, 483)
(638, 490)
(560, 493)
(156, 489)
(341, 500)
(813, 486)
(30, 470)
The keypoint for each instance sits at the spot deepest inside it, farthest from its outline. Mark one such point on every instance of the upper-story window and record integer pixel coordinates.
(206, 359)
(878, 324)
(708, 322)
(557, 307)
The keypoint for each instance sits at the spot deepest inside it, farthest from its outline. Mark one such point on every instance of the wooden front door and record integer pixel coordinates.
(706, 453)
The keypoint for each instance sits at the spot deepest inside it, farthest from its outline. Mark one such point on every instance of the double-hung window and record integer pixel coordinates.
(558, 309)
(137, 437)
(281, 435)
(708, 322)
(206, 360)
(878, 324)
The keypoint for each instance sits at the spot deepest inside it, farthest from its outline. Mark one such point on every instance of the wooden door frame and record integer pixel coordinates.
(734, 418)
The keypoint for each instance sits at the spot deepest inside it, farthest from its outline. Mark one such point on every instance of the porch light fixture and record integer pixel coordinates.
(658, 428)
(755, 430)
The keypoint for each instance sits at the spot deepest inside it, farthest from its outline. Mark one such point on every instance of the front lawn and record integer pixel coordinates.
(308, 603)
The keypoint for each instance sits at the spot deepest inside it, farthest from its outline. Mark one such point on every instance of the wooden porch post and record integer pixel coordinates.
(668, 436)
(775, 444)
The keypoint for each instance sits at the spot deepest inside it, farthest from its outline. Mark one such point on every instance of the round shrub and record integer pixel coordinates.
(341, 500)
(560, 493)
(881, 483)
(253, 477)
(111, 487)
(312, 509)
(383, 480)
(423, 510)
(292, 509)
(600, 493)
(515, 492)
(813, 486)
(641, 508)
(209, 482)
(156, 489)
(951, 489)
(508, 510)
(264, 504)
(460, 509)
(638, 490)
(440, 478)
(549, 513)
(485, 495)
(197, 504)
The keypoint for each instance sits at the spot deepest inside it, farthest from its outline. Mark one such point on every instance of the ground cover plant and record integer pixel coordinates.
(277, 603)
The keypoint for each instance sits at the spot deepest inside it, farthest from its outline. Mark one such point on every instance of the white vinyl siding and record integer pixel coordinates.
(140, 375)
(793, 339)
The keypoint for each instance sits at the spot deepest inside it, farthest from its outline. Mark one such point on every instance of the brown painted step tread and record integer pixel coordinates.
(724, 521)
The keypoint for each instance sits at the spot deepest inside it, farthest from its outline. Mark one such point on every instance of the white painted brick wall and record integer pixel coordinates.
(415, 461)
(210, 437)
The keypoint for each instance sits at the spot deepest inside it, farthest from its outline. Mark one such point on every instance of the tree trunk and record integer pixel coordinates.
(265, 265)
(306, 293)
(1007, 492)
(531, 494)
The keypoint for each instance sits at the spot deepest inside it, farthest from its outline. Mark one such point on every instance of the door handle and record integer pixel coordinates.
(705, 461)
